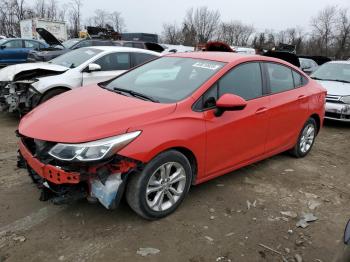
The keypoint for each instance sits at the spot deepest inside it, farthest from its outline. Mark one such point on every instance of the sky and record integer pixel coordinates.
(149, 16)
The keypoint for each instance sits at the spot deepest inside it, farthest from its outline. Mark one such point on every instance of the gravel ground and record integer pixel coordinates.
(226, 219)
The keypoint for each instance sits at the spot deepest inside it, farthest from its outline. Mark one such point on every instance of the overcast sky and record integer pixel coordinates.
(149, 16)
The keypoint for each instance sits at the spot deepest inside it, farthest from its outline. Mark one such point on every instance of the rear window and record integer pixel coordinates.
(281, 78)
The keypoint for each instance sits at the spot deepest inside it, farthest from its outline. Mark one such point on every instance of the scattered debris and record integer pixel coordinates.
(249, 204)
(145, 251)
(313, 204)
(61, 258)
(289, 214)
(289, 170)
(305, 219)
(287, 250)
(229, 234)
(274, 251)
(210, 239)
(290, 231)
(223, 259)
(298, 258)
(211, 210)
(212, 217)
(19, 238)
(205, 227)
(220, 185)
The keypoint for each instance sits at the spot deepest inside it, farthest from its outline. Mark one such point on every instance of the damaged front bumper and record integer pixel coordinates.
(18, 96)
(103, 182)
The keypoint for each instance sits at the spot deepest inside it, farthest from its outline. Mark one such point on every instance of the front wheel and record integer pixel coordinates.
(306, 139)
(161, 187)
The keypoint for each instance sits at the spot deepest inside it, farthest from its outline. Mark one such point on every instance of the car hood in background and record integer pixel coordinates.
(336, 88)
(48, 37)
(88, 114)
(16, 72)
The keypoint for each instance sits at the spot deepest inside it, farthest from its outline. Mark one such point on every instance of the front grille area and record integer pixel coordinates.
(337, 116)
(333, 99)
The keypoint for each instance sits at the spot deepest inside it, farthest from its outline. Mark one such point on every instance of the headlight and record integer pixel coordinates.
(92, 151)
(345, 99)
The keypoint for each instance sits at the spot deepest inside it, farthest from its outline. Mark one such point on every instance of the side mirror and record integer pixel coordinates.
(93, 67)
(229, 102)
(2, 47)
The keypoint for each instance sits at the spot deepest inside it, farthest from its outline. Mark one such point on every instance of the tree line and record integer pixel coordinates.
(329, 32)
(13, 11)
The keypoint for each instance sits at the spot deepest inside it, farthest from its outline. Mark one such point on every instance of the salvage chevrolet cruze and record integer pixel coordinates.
(174, 122)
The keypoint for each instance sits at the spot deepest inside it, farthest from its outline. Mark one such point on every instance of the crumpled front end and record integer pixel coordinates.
(18, 96)
(63, 182)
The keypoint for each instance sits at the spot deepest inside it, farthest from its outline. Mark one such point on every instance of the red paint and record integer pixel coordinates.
(267, 126)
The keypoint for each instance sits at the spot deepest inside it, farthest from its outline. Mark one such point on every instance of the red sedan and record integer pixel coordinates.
(176, 121)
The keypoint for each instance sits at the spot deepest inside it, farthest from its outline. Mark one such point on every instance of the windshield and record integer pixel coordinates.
(69, 43)
(333, 72)
(2, 41)
(75, 58)
(167, 79)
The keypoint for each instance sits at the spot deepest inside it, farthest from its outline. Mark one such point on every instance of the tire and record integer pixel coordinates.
(156, 177)
(50, 94)
(306, 139)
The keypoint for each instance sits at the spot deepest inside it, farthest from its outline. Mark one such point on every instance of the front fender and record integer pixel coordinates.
(184, 132)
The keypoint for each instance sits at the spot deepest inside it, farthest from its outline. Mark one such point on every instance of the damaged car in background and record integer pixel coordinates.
(24, 86)
(166, 125)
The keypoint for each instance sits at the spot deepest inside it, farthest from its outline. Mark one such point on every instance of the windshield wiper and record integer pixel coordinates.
(335, 80)
(136, 94)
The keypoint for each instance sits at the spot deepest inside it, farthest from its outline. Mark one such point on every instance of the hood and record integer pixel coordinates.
(29, 70)
(88, 114)
(336, 88)
(48, 37)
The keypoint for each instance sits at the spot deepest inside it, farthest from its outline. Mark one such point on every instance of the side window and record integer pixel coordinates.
(281, 78)
(14, 44)
(31, 44)
(128, 44)
(82, 44)
(244, 80)
(299, 80)
(140, 58)
(41, 46)
(115, 61)
(138, 45)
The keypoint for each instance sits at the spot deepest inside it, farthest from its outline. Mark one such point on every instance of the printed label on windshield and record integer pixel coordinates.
(207, 66)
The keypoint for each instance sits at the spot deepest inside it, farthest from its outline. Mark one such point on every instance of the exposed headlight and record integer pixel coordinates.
(345, 99)
(92, 151)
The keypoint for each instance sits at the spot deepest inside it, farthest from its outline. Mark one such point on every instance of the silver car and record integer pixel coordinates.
(308, 65)
(335, 77)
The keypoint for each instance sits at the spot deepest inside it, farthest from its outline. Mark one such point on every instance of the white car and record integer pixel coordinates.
(335, 77)
(24, 86)
(308, 65)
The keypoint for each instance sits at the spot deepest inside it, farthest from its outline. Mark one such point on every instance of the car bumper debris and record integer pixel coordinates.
(63, 183)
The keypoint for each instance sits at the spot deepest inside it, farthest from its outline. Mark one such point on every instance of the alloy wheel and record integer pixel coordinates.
(307, 138)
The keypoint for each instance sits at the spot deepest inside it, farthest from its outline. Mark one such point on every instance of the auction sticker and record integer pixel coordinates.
(207, 66)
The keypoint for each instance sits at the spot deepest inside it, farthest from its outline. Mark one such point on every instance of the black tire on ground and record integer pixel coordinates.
(297, 150)
(137, 185)
(50, 94)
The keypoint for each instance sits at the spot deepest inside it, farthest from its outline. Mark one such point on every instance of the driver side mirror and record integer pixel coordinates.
(229, 102)
(2, 47)
(93, 68)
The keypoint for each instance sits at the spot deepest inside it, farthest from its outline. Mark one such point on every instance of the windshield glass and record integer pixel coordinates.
(76, 57)
(167, 79)
(2, 41)
(333, 71)
(69, 43)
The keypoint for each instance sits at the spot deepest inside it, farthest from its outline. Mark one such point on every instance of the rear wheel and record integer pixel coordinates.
(306, 139)
(50, 94)
(161, 187)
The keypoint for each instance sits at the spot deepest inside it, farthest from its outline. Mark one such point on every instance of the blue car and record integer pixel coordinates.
(15, 50)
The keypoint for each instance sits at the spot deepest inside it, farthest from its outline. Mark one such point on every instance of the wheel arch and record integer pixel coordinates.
(52, 89)
(317, 118)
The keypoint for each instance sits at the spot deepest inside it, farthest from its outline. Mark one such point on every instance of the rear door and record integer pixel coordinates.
(112, 65)
(288, 107)
(237, 136)
(13, 52)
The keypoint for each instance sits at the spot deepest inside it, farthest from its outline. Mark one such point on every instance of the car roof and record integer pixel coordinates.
(347, 62)
(123, 49)
(227, 57)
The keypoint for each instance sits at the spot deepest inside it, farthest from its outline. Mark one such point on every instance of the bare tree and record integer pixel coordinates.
(324, 27)
(172, 34)
(75, 16)
(117, 21)
(204, 21)
(235, 33)
(343, 35)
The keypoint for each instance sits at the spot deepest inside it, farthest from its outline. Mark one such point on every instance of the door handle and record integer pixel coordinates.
(301, 97)
(261, 110)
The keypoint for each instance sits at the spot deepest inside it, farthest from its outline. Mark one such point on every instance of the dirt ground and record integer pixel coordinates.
(222, 220)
